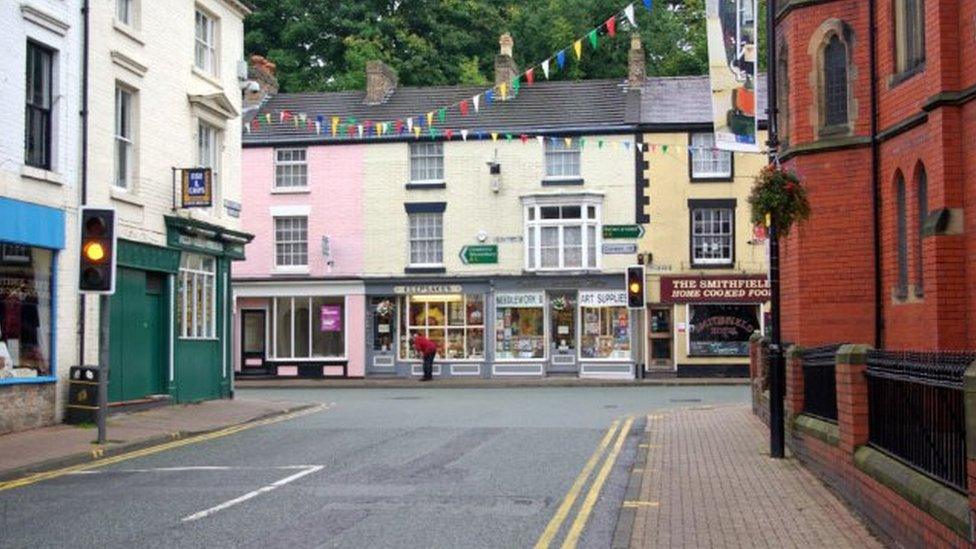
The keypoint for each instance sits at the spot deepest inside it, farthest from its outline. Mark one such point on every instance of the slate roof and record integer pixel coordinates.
(584, 106)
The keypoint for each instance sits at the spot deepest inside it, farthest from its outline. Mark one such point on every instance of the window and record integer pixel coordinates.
(455, 322)
(291, 241)
(605, 333)
(25, 312)
(708, 162)
(426, 239)
(712, 236)
(123, 11)
(721, 330)
(208, 151)
(309, 328)
(562, 159)
(38, 140)
(520, 326)
(562, 236)
(901, 291)
(835, 82)
(197, 297)
(909, 34)
(426, 162)
(922, 187)
(205, 54)
(123, 139)
(291, 169)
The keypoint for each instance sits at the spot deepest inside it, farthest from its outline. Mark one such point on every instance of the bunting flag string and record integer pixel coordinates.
(503, 91)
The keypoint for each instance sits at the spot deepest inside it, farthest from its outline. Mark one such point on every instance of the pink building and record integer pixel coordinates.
(299, 299)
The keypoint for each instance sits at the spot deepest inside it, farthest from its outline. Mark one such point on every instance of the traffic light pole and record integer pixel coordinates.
(104, 323)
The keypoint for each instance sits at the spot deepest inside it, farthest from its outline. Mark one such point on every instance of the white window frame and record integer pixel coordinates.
(290, 267)
(533, 225)
(707, 160)
(205, 42)
(191, 277)
(713, 261)
(311, 319)
(124, 138)
(407, 326)
(567, 158)
(125, 12)
(290, 169)
(209, 144)
(412, 239)
(432, 155)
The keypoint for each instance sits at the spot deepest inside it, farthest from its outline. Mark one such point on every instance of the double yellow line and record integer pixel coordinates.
(576, 528)
(48, 475)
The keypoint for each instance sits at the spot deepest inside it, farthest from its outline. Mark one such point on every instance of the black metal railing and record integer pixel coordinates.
(820, 382)
(917, 411)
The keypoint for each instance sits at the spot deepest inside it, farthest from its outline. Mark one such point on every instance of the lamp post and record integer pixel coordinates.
(776, 367)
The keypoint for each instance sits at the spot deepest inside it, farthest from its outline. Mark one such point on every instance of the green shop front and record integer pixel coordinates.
(171, 315)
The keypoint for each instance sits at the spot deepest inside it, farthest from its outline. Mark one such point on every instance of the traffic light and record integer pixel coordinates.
(97, 272)
(636, 299)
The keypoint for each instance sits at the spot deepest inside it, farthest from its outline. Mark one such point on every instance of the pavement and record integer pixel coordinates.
(25, 452)
(703, 478)
(467, 383)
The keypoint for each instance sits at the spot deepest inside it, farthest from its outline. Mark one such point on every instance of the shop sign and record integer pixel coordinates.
(330, 318)
(604, 298)
(629, 248)
(201, 243)
(197, 187)
(534, 299)
(715, 289)
(623, 231)
(428, 289)
(479, 255)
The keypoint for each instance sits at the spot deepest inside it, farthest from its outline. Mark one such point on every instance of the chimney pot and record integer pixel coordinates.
(381, 82)
(262, 71)
(505, 68)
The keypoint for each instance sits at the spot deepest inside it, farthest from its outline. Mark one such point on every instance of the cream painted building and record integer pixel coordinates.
(706, 266)
(165, 85)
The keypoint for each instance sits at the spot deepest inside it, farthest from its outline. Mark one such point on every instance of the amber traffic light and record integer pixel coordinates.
(97, 269)
(636, 298)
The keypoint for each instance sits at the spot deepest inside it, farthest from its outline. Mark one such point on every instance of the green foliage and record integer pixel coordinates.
(323, 45)
(780, 194)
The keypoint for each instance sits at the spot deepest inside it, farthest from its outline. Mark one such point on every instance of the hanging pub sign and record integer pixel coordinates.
(733, 63)
(197, 187)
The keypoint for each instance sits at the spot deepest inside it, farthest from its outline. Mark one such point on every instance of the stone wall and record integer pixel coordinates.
(26, 407)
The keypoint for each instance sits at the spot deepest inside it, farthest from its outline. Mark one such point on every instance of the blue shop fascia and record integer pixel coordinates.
(503, 326)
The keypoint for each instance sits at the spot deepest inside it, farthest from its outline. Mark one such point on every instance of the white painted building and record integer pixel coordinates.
(40, 155)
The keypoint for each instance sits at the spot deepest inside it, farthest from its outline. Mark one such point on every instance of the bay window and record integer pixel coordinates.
(562, 236)
(309, 328)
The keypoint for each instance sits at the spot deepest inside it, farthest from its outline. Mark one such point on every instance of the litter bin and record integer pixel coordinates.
(82, 404)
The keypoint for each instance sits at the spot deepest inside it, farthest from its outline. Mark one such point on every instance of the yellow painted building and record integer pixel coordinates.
(706, 267)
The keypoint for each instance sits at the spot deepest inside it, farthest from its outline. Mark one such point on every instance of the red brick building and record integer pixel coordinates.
(877, 114)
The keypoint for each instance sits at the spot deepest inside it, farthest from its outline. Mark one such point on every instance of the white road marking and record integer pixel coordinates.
(251, 495)
(193, 468)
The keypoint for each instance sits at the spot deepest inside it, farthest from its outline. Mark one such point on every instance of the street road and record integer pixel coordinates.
(374, 468)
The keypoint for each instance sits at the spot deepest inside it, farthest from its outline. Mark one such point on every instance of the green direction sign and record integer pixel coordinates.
(623, 231)
(479, 255)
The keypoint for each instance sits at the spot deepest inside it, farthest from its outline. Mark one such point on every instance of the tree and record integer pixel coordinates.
(323, 45)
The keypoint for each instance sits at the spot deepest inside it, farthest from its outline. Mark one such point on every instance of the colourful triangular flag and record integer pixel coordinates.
(360, 128)
(267, 118)
(464, 135)
(665, 149)
(448, 134)
(335, 125)
(582, 142)
(611, 25)
(494, 137)
(503, 88)
(410, 124)
(416, 131)
(516, 85)
(594, 41)
(569, 141)
(545, 68)
(629, 13)
(578, 48)
(464, 107)
(649, 4)
(530, 76)
(599, 144)
(561, 59)
(489, 97)
(524, 138)
(541, 139)
(430, 119)
(475, 101)
(441, 115)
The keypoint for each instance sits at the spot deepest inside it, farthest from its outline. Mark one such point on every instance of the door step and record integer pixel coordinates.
(654, 373)
(138, 405)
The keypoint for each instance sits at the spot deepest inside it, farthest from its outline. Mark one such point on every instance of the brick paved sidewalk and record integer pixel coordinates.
(709, 482)
(61, 445)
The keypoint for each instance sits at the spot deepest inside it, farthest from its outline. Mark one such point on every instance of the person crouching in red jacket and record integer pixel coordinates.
(427, 349)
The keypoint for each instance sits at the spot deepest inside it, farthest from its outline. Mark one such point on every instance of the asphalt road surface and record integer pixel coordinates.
(372, 468)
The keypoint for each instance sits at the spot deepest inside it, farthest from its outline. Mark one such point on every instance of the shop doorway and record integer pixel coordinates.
(383, 329)
(660, 338)
(253, 341)
(138, 336)
(563, 332)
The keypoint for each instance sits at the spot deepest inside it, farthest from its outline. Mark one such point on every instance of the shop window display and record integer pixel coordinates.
(520, 326)
(25, 311)
(309, 328)
(606, 333)
(456, 323)
(721, 330)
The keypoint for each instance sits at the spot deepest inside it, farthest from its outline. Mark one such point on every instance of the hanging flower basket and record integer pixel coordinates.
(780, 194)
(385, 308)
(560, 304)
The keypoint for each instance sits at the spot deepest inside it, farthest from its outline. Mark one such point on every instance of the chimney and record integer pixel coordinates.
(636, 64)
(381, 82)
(261, 81)
(505, 68)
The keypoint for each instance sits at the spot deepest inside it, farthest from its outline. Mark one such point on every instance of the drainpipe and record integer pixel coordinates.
(875, 181)
(86, 17)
